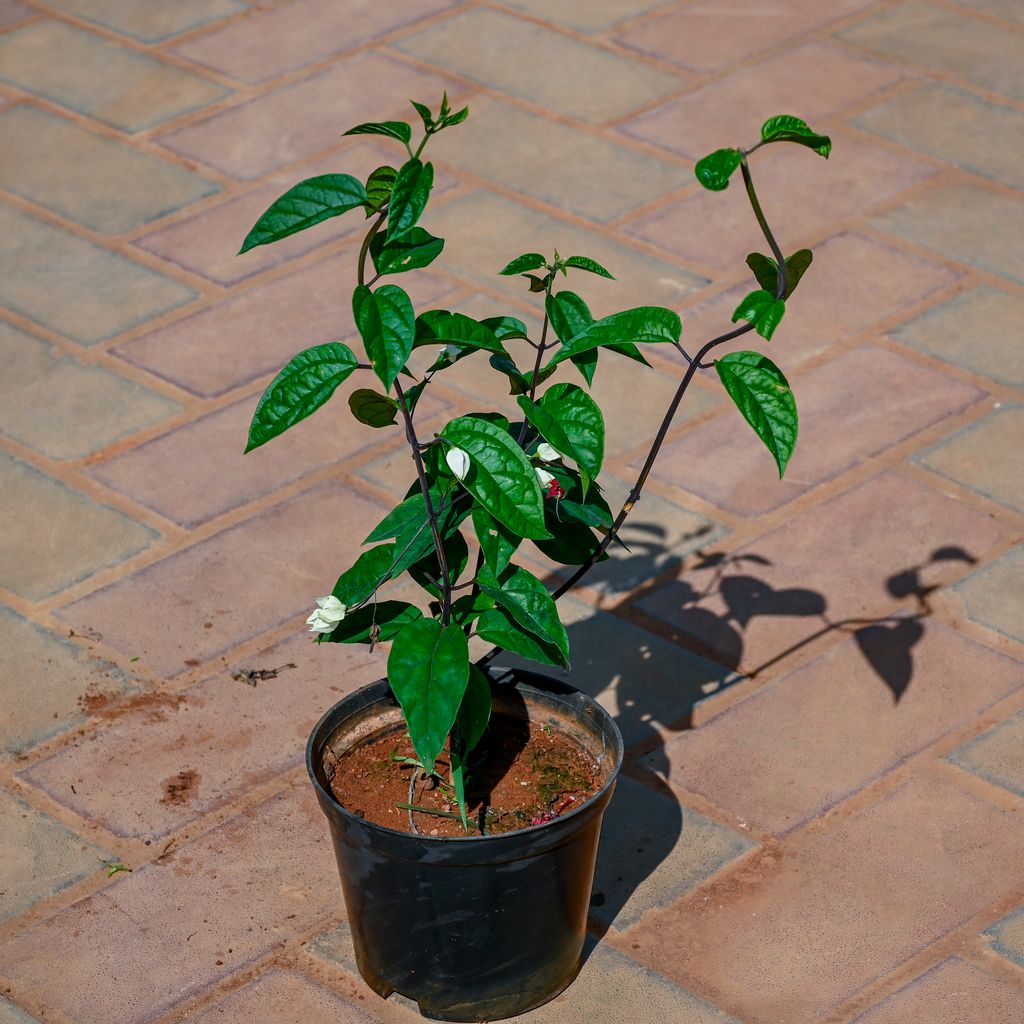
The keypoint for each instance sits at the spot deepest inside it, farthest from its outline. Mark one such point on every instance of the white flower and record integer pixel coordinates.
(546, 453)
(452, 352)
(330, 611)
(544, 476)
(458, 462)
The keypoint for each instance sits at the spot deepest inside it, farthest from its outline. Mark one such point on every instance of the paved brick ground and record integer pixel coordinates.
(821, 681)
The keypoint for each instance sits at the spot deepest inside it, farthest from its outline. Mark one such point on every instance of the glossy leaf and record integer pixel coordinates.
(410, 251)
(425, 115)
(505, 327)
(475, 709)
(427, 569)
(392, 129)
(569, 315)
(372, 408)
(374, 623)
(499, 628)
(439, 327)
(469, 607)
(762, 394)
(763, 310)
(457, 118)
(766, 270)
(309, 380)
(504, 364)
(787, 128)
(387, 324)
(644, 324)
(521, 264)
(527, 600)
(371, 569)
(308, 203)
(500, 475)
(378, 188)
(409, 196)
(714, 170)
(570, 420)
(571, 543)
(586, 263)
(428, 669)
(496, 541)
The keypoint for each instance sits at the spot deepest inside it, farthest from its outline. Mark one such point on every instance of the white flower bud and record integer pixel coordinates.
(546, 453)
(458, 462)
(451, 352)
(329, 612)
(544, 476)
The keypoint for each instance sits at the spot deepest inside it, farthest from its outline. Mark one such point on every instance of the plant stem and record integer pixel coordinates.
(540, 353)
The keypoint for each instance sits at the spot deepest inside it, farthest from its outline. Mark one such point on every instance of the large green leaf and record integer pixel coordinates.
(497, 543)
(400, 130)
(528, 261)
(766, 270)
(569, 315)
(409, 196)
(527, 600)
(304, 205)
(439, 327)
(375, 622)
(643, 324)
(410, 251)
(571, 421)
(787, 128)
(387, 325)
(475, 710)
(309, 379)
(763, 310)
(378, 188)
(715, 170)
(370, 570)
(505, 327)
(428, 669)
(372, 408)
(586, 263)
(762, 393)
(498, 627)
(500, 476)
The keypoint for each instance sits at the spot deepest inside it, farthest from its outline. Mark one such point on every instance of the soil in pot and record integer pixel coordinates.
(522, 773)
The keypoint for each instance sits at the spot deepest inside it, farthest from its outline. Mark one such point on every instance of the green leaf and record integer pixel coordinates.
(378, 188)
(571, 421)
(537, 284)
(714, 170)
(374, 622)
(387, 324)
(457, 118)
(475, 709)
(500, 475)
(498, 627)
(409, 196)
(589, 515)
(304, 205)
(425, 569)
(372, 408)
(425, 115)
(569, 315)
(766, 270)
(306, 382)
(528, 261)
(586, 363)
(371, 569)
(571, 543)
(643, 324)
(428, 669)
(527, 600)
(467, 608)
(763, 310)
(505, 365)
(416, 248)
(763, 395)
(392, 129)
(497, 543)
(439, 327)
(787, 128)
(586, 263)
(505, 327)
(404, 517)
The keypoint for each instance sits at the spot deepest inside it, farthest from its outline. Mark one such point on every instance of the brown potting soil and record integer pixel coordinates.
(521, 774)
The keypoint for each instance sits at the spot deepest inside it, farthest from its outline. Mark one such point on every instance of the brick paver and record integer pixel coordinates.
(819, 681)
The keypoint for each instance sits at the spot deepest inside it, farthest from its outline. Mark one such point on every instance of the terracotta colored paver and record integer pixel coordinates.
(802, 931)
(997, 755)
(815, 736)
(587, 15)
(952, 992)
(182, 923)
(216, 606)
(206, 745)
(150, 20)
(994, 595)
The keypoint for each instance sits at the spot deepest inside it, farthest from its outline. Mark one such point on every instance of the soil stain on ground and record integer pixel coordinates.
(180, 788)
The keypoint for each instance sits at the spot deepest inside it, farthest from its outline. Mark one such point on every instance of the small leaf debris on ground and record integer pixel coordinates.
(114, 866)
(252, 676)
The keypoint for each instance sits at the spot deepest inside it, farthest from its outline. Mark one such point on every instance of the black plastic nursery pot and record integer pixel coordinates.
(474, 928)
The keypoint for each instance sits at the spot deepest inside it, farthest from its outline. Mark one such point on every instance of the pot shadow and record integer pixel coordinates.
(652, 686)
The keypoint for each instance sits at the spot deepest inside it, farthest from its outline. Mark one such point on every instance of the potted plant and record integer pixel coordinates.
(464, 801)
